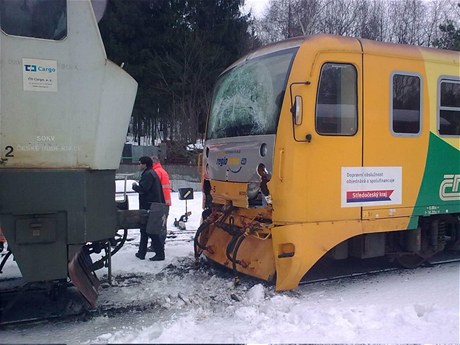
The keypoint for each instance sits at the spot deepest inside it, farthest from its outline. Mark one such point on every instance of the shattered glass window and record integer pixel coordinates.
(248, 98)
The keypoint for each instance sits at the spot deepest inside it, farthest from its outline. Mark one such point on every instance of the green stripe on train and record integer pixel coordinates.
(439, 192)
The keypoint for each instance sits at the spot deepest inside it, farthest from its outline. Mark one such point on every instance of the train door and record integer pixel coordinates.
(334, 138)
(324, 160)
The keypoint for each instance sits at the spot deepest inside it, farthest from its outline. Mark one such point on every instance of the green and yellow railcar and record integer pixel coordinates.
(327, 144)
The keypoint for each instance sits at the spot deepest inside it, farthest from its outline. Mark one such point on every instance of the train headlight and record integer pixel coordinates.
(263, 150)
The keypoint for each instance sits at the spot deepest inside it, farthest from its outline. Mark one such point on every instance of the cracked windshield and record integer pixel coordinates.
(248, 98)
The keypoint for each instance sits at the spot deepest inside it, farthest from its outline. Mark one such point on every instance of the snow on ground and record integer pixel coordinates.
(179, 304)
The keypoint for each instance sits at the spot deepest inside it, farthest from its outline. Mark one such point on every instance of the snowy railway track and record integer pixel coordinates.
(74, 311)
(35, 306)
(112, 304)
(388, 267)
(37, 309)
(177, 235)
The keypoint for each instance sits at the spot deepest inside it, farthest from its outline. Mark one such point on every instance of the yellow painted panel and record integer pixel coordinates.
(229, 191)
(386, 212)
(385, 225)
(310, 242)
(306, 185)
(382, 148)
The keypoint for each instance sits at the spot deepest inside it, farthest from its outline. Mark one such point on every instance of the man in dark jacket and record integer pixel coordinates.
(150, 190)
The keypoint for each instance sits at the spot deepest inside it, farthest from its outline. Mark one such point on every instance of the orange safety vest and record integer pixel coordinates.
(165, 183)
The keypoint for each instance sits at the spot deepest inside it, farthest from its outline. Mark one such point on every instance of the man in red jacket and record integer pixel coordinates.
(164, 179)
(166, 186)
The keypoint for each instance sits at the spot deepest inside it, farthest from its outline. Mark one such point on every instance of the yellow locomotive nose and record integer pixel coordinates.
(341, 139)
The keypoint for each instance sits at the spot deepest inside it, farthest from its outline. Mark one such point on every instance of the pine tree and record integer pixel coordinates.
(175, 49)
(450, 38)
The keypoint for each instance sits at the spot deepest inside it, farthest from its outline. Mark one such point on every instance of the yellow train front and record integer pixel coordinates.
(327, 144)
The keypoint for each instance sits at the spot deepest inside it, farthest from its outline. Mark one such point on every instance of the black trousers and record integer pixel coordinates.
(158, 244)
(158, 241)
(143, 242)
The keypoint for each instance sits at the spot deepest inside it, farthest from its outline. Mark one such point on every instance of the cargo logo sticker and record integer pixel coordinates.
(449, 189)
(39, 75)
(371, 186)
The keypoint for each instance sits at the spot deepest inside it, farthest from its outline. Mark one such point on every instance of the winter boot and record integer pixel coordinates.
(158, 257)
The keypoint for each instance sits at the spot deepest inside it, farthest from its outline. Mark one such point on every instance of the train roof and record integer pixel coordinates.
(361, 45)
(371, 47)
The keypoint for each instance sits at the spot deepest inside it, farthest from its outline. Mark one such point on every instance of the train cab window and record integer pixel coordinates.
(449, 108)
(336, 102)
(44, 19)
(406, 104)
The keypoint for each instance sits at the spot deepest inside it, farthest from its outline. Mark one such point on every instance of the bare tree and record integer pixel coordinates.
(401, 21)
(436, 10)
(339, 17)
(308, 15)
(405, 19)
(372, 23)
(275, 25)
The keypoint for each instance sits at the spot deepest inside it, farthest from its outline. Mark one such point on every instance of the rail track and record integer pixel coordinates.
(178, 235)
(37, 303)
(67, 304)
(328, 270)
(22, 304)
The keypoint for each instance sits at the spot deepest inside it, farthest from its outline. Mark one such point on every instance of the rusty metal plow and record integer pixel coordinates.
(82, 277)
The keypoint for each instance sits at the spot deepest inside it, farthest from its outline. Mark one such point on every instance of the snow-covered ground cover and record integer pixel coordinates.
(175, 303)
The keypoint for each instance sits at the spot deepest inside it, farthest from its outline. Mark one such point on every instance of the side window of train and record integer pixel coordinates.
(336, 102)
(46, 19)
(406, 104)
(449, 107)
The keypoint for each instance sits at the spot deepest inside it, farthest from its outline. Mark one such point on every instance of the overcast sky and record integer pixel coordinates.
(257, 6)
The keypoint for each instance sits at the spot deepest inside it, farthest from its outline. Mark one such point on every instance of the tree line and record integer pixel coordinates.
(176, 49)
(418, 22)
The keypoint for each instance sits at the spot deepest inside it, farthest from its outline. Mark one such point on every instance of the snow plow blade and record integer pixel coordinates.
(83, 278)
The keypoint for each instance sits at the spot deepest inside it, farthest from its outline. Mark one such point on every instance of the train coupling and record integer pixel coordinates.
(80, 266)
